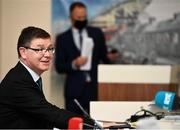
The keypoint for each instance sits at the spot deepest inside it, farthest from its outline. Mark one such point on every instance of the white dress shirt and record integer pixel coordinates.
(75, 33)
(34, 75)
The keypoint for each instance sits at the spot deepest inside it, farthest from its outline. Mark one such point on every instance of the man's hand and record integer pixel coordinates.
(113, 56)
(79, 61)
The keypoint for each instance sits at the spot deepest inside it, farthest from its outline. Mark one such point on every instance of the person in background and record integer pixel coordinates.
(22, 102)
(80, 83)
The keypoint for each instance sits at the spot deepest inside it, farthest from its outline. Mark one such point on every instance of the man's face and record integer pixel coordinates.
(79, 13)
(39, 61)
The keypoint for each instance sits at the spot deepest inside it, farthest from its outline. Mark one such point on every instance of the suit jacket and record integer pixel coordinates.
(66, 52)
(23, 105)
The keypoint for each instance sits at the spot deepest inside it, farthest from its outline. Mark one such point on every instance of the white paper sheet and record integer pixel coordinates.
(86, 51)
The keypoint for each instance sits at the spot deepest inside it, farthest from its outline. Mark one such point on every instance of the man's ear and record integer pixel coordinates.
(22, 52)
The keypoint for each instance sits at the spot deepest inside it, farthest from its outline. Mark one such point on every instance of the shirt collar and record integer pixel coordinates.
(34, 75)
(75, 30)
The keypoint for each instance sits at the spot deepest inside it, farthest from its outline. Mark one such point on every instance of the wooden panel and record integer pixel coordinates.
(132, 92)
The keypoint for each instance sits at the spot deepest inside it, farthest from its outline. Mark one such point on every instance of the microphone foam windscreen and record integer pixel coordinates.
(75, 123)
(165, 100)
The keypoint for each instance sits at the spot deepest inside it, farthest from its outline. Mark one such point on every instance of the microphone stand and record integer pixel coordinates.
(96, 124)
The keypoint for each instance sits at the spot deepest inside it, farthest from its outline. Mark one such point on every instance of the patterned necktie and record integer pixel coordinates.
(39, 83)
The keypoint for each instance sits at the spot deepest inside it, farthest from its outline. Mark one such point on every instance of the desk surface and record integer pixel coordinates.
(115, 111)
(120, 111)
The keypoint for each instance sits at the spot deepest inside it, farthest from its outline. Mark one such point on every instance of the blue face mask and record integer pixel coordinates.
(80, 24)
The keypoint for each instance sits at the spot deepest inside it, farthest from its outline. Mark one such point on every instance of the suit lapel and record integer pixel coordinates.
(23, 72)
(89, 32)
(24, 75)
(72, 41)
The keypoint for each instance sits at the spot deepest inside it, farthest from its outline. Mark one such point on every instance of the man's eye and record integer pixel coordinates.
(39, 50)
(51, 49)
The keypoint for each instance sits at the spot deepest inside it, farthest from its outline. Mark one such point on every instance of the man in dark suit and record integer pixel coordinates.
(80, 84)
(22, 102)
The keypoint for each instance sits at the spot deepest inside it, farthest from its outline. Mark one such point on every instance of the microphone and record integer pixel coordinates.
(75, 123)
(82, 109)
(167, 100)
(97, 126)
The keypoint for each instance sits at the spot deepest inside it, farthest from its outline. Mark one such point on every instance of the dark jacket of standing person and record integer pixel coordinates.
(68, 59)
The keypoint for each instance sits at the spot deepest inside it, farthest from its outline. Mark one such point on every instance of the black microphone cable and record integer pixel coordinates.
(146, 113)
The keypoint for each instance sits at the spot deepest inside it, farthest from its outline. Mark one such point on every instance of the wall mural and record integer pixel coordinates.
(143, 31)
